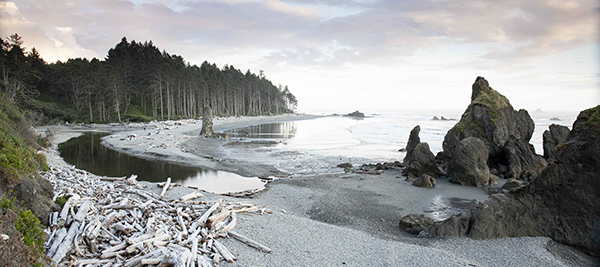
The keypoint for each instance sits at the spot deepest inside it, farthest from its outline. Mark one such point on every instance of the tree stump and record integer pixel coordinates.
(207, 122)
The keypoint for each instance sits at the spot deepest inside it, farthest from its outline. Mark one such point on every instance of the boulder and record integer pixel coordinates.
(207, 122)
(421, 161)
(457, 225)
(561, 202)
(424, 181)
(347, 166)
(415, 223)
(413, 141)
(435, 118)
(554, 136)
(469, 163)
(505, 131)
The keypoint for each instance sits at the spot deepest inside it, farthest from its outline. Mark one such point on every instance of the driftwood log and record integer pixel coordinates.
(116, 222)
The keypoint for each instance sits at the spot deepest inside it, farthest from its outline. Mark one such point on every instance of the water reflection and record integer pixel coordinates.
(280, 130)
(443, 208)
(88, 154)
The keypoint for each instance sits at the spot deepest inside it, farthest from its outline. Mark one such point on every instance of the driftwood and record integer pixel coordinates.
(162, 194)
(249, 242)
(115, 222)
(191, 196)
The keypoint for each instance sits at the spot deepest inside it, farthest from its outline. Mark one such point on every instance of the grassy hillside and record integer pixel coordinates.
(18, 158)
(19, 165)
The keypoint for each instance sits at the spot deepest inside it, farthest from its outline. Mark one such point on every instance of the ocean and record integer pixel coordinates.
(317, 146)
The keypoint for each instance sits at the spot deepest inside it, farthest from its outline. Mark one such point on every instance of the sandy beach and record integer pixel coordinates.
(325, 220)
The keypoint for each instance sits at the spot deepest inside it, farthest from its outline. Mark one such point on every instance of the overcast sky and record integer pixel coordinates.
(340, 56)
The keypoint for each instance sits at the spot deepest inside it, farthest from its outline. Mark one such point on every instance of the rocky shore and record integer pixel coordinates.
(490, 142)
(332, 220)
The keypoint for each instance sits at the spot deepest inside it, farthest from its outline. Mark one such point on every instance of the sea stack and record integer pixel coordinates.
(505, 132)
(561, 202)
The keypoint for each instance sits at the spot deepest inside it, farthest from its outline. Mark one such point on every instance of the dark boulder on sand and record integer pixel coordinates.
(421, 161)
(554, 136)
(424, 181)
(505, 131)
(469, 166)
(561, 202)
(415, 223)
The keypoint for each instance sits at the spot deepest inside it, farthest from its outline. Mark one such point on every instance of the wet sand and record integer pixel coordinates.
(333, 220)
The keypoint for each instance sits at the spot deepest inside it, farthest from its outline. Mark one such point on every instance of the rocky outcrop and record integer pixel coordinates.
(36, 194)
(421, 161)
(561, 202)
(415, 223)
(207, 122)
(413, 141)
(424, 181)
(505, 131)
(468, 166)
(554, 136)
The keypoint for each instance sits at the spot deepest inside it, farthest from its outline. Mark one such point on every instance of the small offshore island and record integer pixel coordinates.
(541, 209)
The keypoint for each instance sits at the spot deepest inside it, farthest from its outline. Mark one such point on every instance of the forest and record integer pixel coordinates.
(135, 82)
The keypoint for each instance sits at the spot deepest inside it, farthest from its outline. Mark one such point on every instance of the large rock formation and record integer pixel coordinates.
(421, 161)
(207, 122)
(505, 131)
(413, 141)
(555, 135)
(468, 166)
(561, 202)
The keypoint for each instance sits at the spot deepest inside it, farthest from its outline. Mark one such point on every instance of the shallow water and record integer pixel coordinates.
(319, 145)
(87, 153)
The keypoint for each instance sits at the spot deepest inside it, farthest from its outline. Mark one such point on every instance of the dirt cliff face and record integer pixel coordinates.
(561, 202)
(13, 251)
(505, 131)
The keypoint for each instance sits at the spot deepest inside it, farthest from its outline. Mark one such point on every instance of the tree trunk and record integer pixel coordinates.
(207, 122)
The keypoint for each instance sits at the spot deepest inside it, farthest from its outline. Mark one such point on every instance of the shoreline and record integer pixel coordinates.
(340, 220)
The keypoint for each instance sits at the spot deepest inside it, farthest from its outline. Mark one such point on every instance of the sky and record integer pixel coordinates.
(340, 56)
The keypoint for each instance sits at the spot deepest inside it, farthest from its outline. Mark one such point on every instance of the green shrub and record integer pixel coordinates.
(61, 201)
(29, 226)
(8, 201)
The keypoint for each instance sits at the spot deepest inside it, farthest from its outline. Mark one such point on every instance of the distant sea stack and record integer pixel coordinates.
(356, 114)
(561, 202)
(505, 132)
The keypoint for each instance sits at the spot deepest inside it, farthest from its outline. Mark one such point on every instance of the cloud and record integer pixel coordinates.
(298, 32)
(53, 43)
(302, 11)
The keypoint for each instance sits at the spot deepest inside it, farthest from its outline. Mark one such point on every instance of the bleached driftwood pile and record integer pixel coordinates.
(117, 223)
